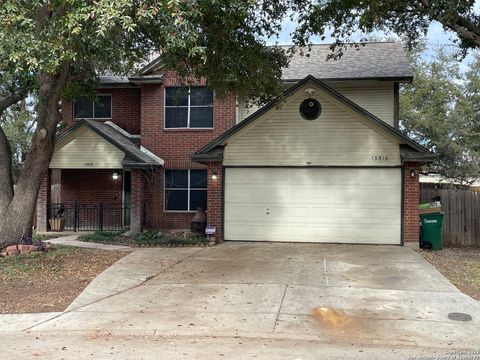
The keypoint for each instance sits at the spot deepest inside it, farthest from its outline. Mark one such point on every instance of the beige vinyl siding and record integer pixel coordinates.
(338, 137)
(84, 149)
(375, 97)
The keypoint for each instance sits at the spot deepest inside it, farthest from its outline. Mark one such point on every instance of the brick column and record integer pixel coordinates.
(411, 200)
(42, 203)
(214, 198)
(136, 200)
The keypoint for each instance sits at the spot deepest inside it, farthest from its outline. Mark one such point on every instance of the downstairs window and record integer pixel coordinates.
(185, 190)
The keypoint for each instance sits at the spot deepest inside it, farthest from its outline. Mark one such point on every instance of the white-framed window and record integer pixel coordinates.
(188, 107)
(100, 108)
(185, 190)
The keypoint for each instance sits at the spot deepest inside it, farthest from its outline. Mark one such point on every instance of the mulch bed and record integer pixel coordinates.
(460, 265)
(46, 282)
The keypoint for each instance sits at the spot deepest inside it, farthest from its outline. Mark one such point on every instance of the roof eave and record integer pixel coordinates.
(151, 65)
(419, 157)
(400, 79)
(139, 80)
(206, 158)
(141, 166)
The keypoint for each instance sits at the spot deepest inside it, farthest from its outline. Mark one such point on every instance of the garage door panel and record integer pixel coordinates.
(307, 212)
(313, 205)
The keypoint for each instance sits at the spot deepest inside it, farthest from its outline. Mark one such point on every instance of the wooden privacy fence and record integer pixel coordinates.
(461, 208)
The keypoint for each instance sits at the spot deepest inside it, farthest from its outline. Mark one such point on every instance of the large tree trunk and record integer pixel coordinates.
(6, 181)
(18, 213)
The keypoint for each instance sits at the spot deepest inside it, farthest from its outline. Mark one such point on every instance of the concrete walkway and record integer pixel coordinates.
(263, 301)
(71, 240)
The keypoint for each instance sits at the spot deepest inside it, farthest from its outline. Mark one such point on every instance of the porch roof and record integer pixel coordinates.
(118, 139)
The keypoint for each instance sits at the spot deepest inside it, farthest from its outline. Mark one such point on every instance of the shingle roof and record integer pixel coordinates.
(376, 60)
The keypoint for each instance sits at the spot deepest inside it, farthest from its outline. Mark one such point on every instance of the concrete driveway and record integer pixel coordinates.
(332, 294)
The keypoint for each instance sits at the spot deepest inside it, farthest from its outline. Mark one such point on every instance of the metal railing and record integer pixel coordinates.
(89, 217)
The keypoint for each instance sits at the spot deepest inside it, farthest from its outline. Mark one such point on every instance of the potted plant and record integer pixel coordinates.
(57, 223)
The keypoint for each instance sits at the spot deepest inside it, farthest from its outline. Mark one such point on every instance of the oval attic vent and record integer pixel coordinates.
(310, 109)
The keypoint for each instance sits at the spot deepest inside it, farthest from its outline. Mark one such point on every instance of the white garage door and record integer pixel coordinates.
(347, 205)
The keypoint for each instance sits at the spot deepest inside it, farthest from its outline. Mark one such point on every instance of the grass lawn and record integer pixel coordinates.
(44, 282)
(149, 238)
(43, 237)
(460, 265)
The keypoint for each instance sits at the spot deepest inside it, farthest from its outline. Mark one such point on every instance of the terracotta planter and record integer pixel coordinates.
(57, 224)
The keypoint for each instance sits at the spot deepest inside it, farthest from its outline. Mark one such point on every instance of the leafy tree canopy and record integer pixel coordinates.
(222, 40)
(407, 18)
(53, 48)
(441, 110)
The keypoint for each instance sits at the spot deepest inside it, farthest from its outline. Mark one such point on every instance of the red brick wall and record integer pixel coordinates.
(141, 111)
(175, 146)
(91, 187)
(214, 198)
(156, 217)
(125, 109)
(411, 199)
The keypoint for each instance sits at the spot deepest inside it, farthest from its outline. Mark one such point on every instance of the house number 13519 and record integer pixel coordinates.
(379, 157)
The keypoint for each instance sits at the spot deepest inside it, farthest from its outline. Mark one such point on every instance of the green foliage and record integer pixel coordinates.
(18, 124)
(441, 110)
(162, 239)
(43, 237)
(100, 236)
(147, 238)
(342, 19)
(221, 40)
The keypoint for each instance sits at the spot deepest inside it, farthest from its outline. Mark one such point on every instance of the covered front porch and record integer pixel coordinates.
(95, 181)
(89, 200)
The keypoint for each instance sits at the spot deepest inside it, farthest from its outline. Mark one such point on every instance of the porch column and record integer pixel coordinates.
(56, 186)
(136, 200)
(42, 203)
(214, 197)
(411, 200)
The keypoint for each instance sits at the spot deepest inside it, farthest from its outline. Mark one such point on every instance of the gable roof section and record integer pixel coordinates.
(211, 152)
(136, 157)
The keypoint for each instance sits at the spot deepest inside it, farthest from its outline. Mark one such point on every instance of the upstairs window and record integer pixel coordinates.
(188, 107)
(185, 190)
(100, 108)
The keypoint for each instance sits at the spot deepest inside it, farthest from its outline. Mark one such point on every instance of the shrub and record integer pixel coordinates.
(162, 239)
(100, 236)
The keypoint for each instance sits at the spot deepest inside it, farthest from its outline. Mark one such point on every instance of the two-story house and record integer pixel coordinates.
(328, 164)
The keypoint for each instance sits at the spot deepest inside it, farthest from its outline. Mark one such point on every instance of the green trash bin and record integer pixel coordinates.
(432, 231)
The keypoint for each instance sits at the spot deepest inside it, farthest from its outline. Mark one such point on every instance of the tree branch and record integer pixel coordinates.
(8, 101)
(459, 24)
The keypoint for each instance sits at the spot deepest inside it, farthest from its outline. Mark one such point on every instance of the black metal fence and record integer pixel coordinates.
(88, 217)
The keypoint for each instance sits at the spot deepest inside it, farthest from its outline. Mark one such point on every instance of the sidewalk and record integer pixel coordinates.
(71, 240)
